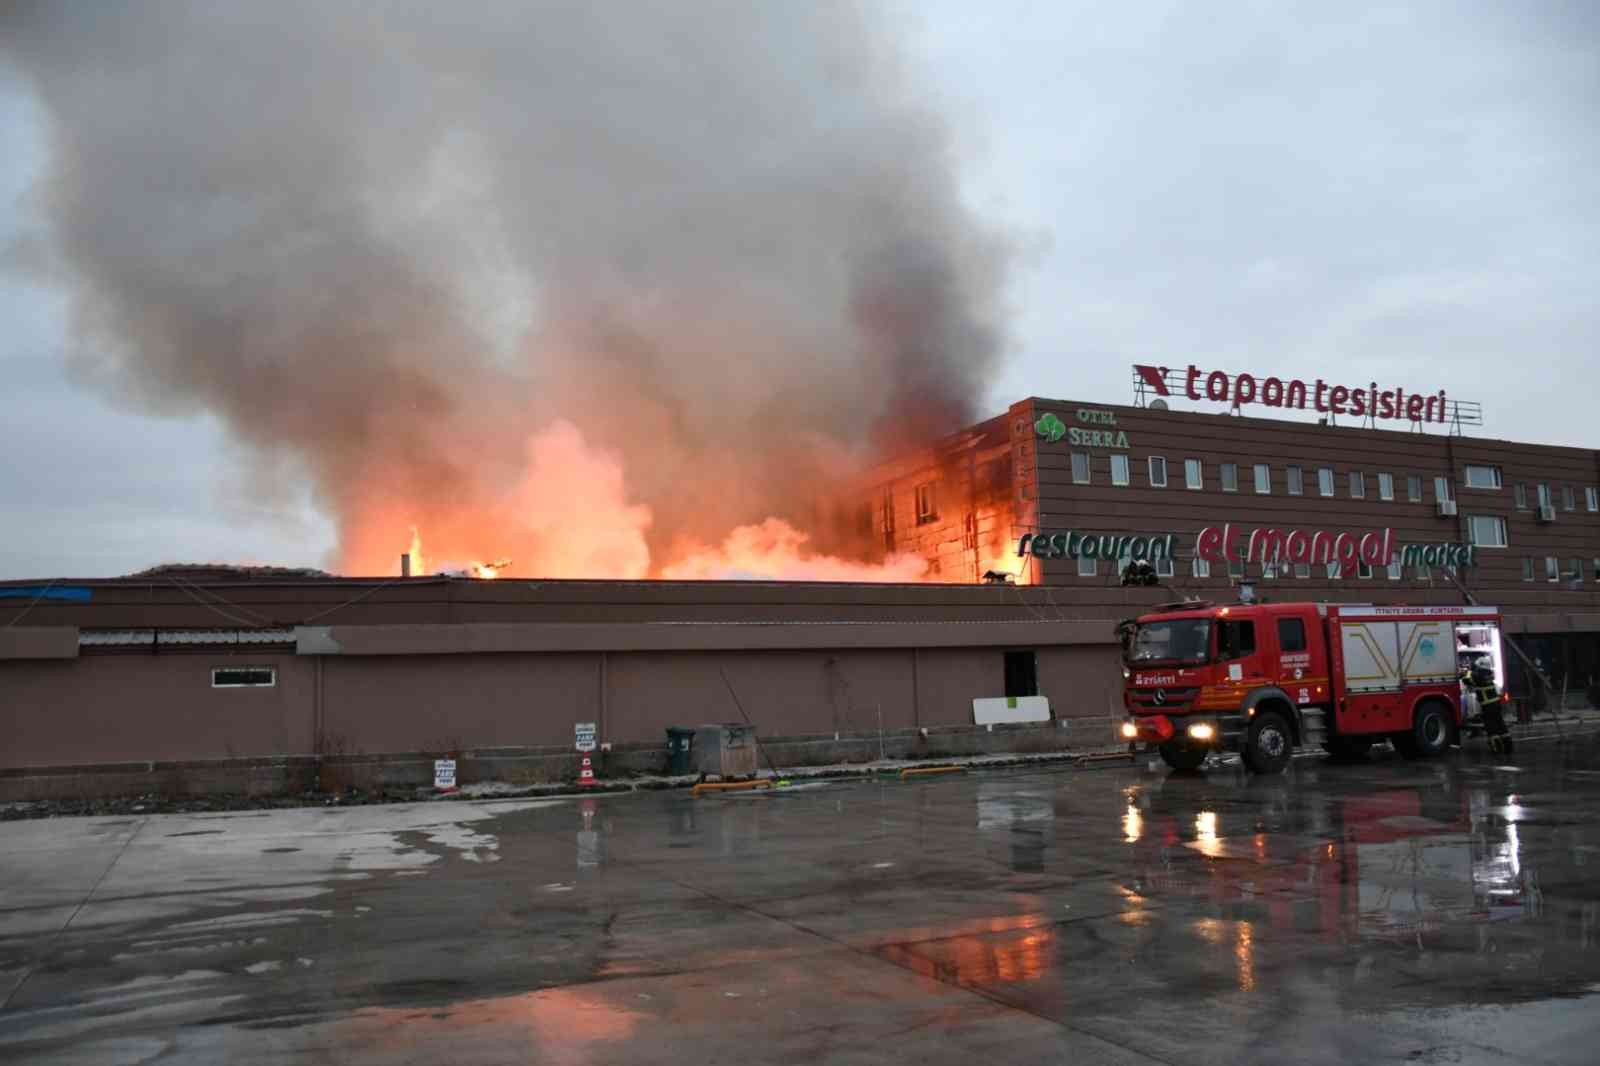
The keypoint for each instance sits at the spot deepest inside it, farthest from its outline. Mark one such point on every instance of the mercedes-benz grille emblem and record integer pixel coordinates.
(1160, 696)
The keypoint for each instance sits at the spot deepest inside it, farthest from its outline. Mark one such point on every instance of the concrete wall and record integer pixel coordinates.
(116, 708)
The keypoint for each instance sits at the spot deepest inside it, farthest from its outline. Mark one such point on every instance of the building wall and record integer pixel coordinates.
(120, 708)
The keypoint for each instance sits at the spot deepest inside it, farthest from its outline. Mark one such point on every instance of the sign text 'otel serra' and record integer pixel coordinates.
(1228, 543)
(1358, 401)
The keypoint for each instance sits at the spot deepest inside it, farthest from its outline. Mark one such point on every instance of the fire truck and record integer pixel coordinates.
(1264, 678)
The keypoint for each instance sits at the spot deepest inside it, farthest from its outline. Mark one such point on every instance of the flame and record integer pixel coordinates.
(776, 551)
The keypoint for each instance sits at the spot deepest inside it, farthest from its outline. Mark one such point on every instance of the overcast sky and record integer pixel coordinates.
(1400, 194)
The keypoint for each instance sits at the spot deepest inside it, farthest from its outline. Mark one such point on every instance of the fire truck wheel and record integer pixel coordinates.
(1271, 745)
(1430, 733)
(1182, 757)
(1347, 749)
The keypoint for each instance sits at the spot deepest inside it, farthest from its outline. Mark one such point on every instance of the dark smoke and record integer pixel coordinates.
(392, 241)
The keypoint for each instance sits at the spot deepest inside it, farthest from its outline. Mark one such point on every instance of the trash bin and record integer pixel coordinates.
(727, 750)
(680, 748)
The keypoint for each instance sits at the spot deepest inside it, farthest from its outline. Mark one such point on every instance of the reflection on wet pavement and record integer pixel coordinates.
(1437, 911)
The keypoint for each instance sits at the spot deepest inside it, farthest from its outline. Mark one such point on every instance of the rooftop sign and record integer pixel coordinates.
(1367, 402)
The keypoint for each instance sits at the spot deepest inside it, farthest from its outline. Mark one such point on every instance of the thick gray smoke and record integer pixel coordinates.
(396, 241)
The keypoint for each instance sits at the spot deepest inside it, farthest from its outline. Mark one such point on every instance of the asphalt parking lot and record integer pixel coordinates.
(1442, 911)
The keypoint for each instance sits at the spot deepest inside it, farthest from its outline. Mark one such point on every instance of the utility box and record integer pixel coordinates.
(727, 750)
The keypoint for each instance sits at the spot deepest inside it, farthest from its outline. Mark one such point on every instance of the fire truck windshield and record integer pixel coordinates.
(1179, 640)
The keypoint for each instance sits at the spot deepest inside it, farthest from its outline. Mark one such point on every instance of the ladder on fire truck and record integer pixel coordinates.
(1527, 660)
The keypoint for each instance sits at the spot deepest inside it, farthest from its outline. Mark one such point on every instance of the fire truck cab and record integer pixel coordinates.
(1262, 679)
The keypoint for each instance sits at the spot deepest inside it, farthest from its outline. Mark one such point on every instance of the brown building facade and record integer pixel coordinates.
(229, 666)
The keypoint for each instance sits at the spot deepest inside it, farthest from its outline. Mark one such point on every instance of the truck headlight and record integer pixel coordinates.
(1202, 731)
(1130, 731)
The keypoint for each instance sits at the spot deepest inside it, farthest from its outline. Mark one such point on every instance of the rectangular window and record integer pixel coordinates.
(1543, 494)
(927, 503)
(1363, 570)
(1297, 482)
(1333, 571)
(1158, 472)
(1576, 573)
(1569, 499)
(1527, 569)
(1235, 640)
(1165, 568)
(1591, 499)
(1022, 674)
(1325, 480)
(1552, 568)
(1269, 571)
(1236, 570)
(1291, 634)
(1395, 569)
(243, 677)
(1194, 476)
(1302, 570)
(1483, 477)
(1080, 468)
(1441, 488)
(1385, 486)
(1414, 488)
(1119, 469)
(1358, 485)
(1087, 567)
(1596, 569)
(1520, 493)
(1202, 568)
(1230, 477)
(1486, 531)
(1263, 478)
(886, 513)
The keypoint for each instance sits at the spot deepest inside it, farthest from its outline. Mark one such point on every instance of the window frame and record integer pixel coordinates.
(1299, 644)
(1472, 530)
(1094, 567)
(1498, 482)
(1165, 567)
(1358, 485)
(1552, 569)
(1325, 482)
(1127, 470)
(1197, 467)
(1296, 481)
(271, 672)
(1088, 467)
(1150, 471)
(1528, 568)
(1395, 569)
(927, 503)
(1519, 495)
(1569, 498)
(1302, 571)
(1385, 485)
(1227, 472)
(1200, 568)
(1441, 489)
(1262, 473)
(1591, 499)
(1413, 488)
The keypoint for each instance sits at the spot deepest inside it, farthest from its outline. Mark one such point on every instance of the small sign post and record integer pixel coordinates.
(444, 775)
(585, 733)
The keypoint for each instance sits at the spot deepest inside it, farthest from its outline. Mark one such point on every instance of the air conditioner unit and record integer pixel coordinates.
(1547, 512)
(1447, 508)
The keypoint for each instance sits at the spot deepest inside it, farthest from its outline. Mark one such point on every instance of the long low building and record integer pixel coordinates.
(230, 665)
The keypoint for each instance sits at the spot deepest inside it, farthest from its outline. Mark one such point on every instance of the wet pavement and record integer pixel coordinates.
(1442, 911)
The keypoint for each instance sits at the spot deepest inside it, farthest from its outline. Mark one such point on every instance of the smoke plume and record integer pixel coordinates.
(589, 285)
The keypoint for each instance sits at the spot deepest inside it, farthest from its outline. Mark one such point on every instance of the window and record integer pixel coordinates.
(886, 512)
(1087, 567)
(1263, 478)
(1569, 501)
(1591, 499)
(243, 677)
(1396, 571)
(1230, 477)
(1297, 483)
(1414, 488)
(1269, 571)
(1364, 570)
(1552, 568)
(1291, 634)
(1527, 569)
(1165, 568)
(1597, 569)
(1358, 485)
(1236, 570)
(1486, 531)
(1441, 488)
(1022, 674)
(1235, 640)
(1080, 468)
(1119, 470)
(1520, 493)
(1158, 472)
(1385, 486)
(1543, 494)
(927, 503)
(1302, 570)
(1325, 481)
(1194, 475)
(1483, 477)
(1576, 573)
(1333, 571)
(1202, 568)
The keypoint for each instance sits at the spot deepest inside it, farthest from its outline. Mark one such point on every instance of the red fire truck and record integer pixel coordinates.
(1262, 679)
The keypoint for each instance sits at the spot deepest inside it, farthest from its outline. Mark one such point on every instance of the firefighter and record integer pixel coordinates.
(1479, 680)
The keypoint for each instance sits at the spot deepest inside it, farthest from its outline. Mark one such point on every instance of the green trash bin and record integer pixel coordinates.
(680, 749)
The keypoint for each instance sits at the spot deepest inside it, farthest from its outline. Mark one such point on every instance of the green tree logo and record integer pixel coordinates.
(1050, 427)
